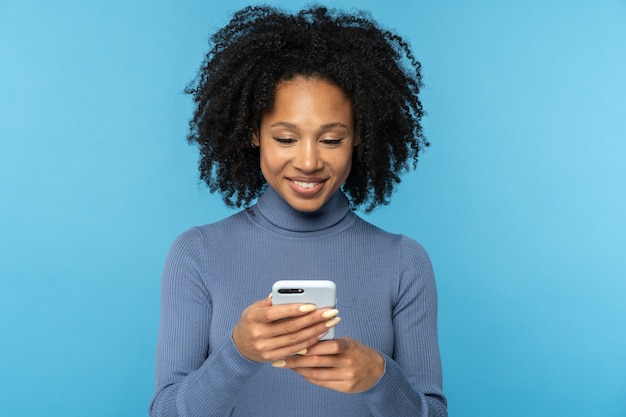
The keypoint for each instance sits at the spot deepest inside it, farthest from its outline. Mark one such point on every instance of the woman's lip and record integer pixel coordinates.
(306, 187)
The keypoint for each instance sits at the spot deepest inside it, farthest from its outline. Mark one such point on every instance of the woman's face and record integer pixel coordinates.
(306, 142)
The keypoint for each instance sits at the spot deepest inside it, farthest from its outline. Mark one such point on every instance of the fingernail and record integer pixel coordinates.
(307, 308)
(279, 363)
(330, 314)
(270, 296)
(302, 352)
(333, 322)
(322, 335)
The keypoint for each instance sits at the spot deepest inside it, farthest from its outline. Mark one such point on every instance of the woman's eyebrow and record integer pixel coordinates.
(326, 126)
(334, 125)
(285, 124)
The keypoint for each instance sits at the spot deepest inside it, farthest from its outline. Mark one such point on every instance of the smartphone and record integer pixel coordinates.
(322, 293)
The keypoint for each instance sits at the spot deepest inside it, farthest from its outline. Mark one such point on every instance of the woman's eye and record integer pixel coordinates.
(285, 141)
(332, 142)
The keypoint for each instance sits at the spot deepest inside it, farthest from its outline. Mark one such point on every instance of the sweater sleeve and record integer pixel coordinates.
(190, 382)
(411, 384)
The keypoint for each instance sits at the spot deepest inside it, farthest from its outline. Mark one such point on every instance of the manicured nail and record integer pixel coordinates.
(307, 308)
(330, 314)
(270, 296)
(302, 352)
(333, 322)
(322, 335)
(279, 363)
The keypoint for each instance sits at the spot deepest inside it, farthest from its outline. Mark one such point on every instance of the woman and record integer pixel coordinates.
(314, 114)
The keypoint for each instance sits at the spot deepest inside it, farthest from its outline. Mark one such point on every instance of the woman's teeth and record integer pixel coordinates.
(306, 184)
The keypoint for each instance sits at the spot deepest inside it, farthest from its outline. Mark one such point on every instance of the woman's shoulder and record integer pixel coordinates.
(406, 245)
(364, 226)
(211, 231)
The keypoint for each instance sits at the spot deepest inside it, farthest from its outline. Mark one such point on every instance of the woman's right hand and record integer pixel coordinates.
(266, 333)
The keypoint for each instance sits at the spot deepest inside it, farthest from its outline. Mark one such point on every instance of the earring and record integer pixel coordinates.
(254, 145)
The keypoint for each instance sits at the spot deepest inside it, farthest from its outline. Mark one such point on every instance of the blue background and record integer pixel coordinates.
(520, 201)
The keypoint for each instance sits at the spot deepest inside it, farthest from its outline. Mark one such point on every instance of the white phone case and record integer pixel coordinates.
(322, 293)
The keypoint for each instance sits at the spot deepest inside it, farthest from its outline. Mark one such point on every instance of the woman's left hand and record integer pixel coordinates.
(343, 365)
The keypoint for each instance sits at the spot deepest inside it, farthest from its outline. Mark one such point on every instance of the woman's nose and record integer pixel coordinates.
(307, 157)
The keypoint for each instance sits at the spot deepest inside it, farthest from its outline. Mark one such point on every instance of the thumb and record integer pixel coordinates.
(265, 302)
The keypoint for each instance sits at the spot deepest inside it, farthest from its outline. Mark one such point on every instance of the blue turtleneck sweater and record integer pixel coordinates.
(386, 297)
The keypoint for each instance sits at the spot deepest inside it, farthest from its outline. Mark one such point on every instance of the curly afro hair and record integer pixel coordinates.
(263, 46)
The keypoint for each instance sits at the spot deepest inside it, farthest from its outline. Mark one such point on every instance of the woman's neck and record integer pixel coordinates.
(275, 211)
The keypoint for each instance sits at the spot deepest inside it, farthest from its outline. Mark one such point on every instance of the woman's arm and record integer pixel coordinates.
(412, 382)
(189, 381)
(407, 384)
(194, 378)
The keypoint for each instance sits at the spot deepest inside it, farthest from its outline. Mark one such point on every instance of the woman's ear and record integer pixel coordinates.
(255, 141)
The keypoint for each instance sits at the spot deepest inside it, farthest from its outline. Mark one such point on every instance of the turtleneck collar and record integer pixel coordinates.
(272, 212)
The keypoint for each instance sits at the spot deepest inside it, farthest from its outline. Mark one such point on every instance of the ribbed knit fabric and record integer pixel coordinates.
(386, 299)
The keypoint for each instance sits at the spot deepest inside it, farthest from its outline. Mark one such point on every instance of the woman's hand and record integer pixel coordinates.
(267, 333)
(343, 365)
